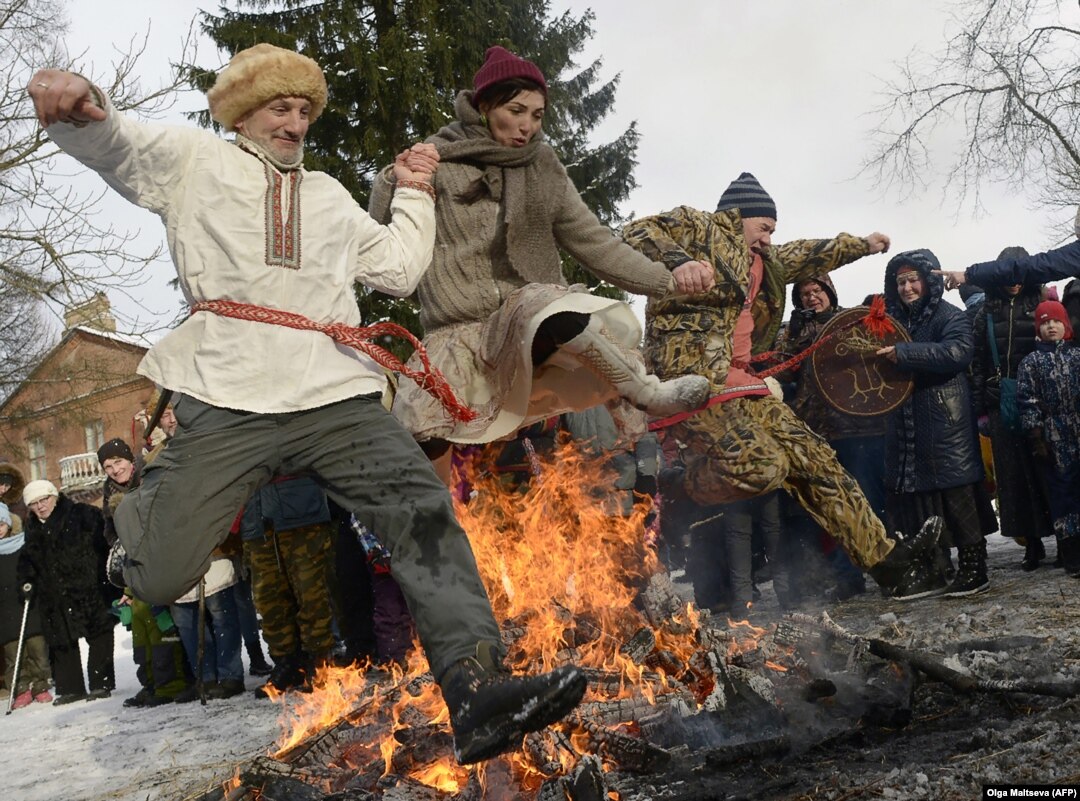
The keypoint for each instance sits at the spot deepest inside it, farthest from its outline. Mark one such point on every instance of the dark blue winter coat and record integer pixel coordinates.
(289, 503)
(1053, 265)
(930, 442)
(1048, 392)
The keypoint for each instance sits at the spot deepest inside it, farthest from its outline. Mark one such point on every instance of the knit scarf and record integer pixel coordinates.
(520, 178)
(258, 150)
(11, 544)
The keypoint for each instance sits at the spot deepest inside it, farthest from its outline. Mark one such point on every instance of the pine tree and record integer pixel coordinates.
(393, 68)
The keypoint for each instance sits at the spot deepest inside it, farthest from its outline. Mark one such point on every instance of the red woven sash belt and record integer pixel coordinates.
(430, 379)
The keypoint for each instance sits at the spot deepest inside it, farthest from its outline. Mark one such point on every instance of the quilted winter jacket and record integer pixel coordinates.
(1048, 392)
(930, 441)
(685, 334)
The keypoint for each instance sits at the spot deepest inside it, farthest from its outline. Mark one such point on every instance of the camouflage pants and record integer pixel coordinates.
(290, 586)
(747, 447)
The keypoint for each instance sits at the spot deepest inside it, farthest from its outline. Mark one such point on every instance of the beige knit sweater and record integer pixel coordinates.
(479, 256)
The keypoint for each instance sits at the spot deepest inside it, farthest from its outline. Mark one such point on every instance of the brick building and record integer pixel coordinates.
(84, 392)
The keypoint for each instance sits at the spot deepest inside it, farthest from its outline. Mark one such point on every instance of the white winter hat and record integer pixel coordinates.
(36, 490)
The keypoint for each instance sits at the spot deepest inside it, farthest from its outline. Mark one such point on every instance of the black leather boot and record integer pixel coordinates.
(492, 710)
(911, 569)
(1034, 552)
(971, 576)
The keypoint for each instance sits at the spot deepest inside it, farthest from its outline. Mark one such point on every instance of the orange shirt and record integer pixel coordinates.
(740, 382)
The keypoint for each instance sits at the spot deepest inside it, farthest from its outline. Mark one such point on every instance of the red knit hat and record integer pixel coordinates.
(1052, 310)
(502, 65)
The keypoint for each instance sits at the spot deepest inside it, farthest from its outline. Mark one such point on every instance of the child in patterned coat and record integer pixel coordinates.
(1048, 392)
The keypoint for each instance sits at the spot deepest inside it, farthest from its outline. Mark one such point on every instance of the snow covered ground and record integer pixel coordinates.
(99, 750)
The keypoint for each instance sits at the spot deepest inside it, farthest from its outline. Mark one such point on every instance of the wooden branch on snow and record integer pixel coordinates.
(935, 668)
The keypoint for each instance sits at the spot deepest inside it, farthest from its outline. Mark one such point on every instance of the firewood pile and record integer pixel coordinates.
(726, 703)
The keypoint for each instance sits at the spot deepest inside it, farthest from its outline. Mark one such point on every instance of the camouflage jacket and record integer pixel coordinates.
(686, 334)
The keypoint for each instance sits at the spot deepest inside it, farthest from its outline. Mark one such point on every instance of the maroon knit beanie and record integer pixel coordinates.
(502, 65)
(1052, 310)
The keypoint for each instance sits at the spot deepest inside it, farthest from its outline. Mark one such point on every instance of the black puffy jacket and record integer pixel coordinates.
(1014, 334)
(931, 442)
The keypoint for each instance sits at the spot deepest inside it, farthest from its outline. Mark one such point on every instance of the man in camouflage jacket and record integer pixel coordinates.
(751, 443)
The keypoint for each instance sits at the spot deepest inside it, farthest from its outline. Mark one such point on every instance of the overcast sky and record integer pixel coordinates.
(783, 89)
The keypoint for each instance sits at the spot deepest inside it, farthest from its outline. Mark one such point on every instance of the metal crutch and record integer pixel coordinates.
(18, 651)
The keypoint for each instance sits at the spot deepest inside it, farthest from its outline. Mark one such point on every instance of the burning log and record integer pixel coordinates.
(288, 789)
(638, 647)
(264, 769)
(585, 784)
(543, 752)
(631, 753)
(422, 744)
(402, 788)
(661, 602)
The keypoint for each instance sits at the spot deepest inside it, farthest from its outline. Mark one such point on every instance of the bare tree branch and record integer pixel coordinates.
(999, 103)
(54, 250)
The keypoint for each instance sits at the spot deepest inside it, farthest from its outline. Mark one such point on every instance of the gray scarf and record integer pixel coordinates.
(522, 179)
(258, 150)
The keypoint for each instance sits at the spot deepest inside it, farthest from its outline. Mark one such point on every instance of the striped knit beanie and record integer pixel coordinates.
(746, 195)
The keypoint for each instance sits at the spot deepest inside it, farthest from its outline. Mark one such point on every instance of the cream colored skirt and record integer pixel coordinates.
(489, 365)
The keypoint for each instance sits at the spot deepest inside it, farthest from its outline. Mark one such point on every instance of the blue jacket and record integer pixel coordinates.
(287, 504)
(1048, 393)
(1053, 265)
(930, 441)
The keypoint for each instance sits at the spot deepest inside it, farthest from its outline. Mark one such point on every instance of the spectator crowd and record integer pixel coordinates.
(313, 516)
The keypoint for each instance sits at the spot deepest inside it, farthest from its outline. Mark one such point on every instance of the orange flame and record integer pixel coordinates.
(563, 573)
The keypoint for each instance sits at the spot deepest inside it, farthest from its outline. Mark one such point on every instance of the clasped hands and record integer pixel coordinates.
(417, 163)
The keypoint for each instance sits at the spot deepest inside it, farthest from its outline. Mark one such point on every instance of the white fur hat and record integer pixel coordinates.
(261, 73)
(36, 490)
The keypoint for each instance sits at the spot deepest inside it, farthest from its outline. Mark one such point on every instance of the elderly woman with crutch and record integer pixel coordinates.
(64, 562)
(26, 657)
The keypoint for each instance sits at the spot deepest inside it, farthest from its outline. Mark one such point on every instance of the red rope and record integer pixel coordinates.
(430, 379)
(876, 321)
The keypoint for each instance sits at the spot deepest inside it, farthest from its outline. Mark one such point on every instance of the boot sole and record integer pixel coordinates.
(965, 593)
(924, 594)
(505, 732)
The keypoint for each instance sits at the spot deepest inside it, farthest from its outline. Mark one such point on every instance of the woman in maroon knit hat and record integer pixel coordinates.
(517, 344)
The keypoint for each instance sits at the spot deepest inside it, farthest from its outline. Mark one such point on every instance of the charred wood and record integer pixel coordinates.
(739, 752)
(422, 744)
(609, 713)
(639, 646)
(587, 781)
(935, 668)
(543, 752)
(631, 753)
(284, 788)
(660, 600)
(402, 788)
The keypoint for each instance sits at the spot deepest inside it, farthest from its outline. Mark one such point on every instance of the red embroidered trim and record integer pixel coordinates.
(430, 379)
(282, 237)
(422, 186)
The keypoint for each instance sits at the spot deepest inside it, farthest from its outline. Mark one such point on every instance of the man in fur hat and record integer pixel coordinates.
(747, 442)
(267, 253)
